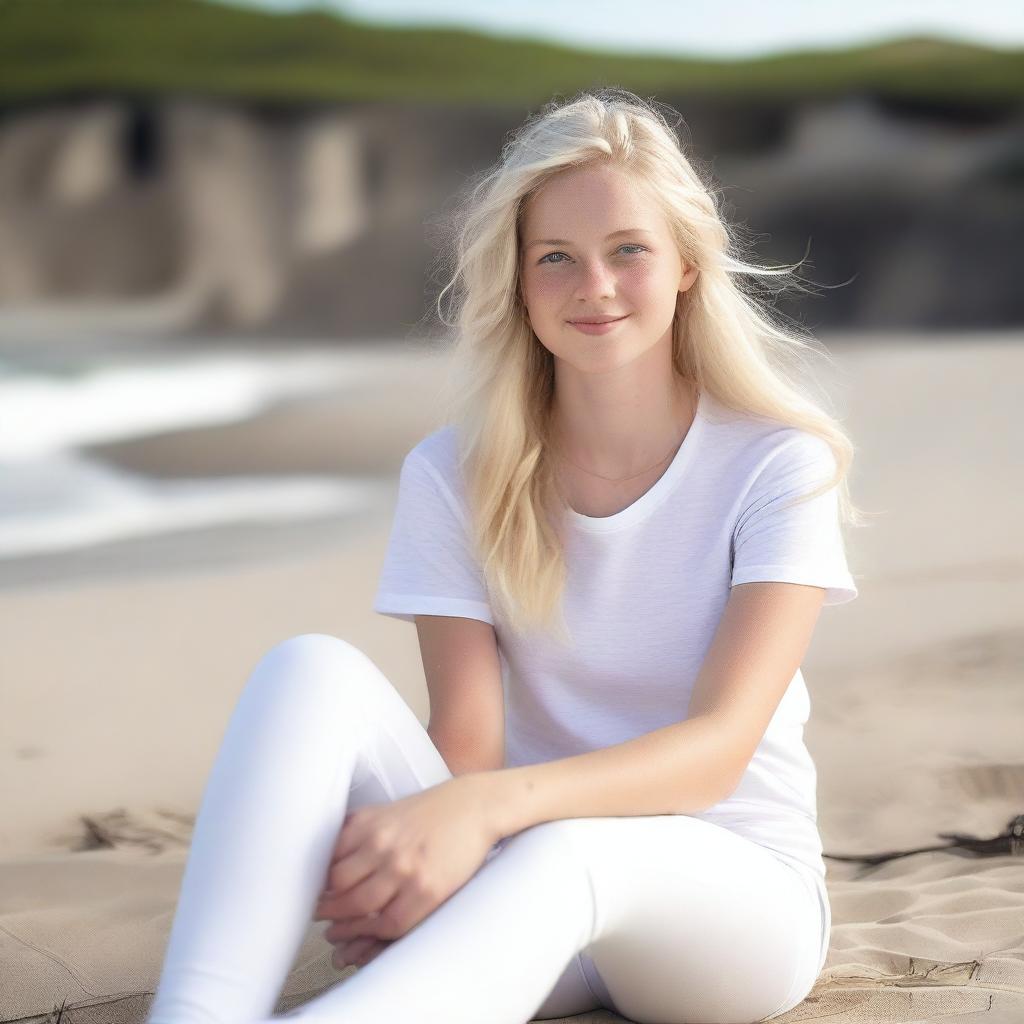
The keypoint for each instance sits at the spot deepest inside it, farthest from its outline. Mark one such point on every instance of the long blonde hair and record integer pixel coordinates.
(726, 339)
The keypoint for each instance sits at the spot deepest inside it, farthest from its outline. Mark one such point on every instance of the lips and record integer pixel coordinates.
(598, 319)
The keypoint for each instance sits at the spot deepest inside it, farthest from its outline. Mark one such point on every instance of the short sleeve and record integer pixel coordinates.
(429, 567)
(777, 540)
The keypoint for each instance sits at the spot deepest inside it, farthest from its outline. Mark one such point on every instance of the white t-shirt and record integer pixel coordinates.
(646, 588)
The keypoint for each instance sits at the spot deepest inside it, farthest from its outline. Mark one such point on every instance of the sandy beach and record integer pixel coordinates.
(119, 676)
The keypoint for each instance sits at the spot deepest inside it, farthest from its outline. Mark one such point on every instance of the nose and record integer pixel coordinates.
(595, 281)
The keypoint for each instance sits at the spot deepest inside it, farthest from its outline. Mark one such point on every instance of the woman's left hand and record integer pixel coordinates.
(395, 863)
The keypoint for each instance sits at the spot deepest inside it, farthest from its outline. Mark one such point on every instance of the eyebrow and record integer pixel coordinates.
(565, 241)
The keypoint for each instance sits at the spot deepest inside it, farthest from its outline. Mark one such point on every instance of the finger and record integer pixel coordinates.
(334, 936)
(384, 924)
(371, 954)
(408, 908)
(372, 951)
(349, 870)
(370, 895)
(345, 842)
(358, 948)
(350, 835)
(345, 947)
(340, 959)
(376, 949)
(346, 929)
(354, 868)
(367, 899)
(339, 952)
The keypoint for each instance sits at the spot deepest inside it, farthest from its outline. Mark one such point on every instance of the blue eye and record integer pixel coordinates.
(628, 245)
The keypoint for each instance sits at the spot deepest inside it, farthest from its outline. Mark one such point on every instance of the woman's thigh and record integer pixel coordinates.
(695, 923)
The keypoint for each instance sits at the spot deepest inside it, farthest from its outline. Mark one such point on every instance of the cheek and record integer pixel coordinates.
(545, 300)
(662, 285)
(642, 287)
(638, 273)
(543, 289)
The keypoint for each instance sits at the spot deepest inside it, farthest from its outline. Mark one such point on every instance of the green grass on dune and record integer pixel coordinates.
(59, 47)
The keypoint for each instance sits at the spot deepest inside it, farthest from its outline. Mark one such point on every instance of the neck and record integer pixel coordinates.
(627, 438)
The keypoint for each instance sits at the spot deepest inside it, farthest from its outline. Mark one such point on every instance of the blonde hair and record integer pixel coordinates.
(726, 339)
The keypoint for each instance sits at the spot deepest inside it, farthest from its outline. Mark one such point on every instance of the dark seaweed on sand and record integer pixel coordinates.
(1009, 841)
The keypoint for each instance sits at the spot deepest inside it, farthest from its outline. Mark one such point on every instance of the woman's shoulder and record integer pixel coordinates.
(439, 448)
(758, 437)
(437, 455)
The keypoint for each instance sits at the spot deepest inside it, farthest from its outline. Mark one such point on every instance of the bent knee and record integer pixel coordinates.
(315, 645)
(313, 660)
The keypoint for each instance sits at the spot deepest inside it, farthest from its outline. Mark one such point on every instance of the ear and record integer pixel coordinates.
(688, 278)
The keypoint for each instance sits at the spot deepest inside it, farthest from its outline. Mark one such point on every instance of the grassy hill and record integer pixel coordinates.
(54, 48)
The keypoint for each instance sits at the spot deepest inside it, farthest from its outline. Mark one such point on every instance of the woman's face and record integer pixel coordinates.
(573, 266)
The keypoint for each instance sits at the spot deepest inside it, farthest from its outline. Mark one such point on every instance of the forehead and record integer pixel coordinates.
(588, 204)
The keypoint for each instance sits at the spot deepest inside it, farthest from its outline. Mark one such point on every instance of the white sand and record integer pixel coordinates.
(117, 692)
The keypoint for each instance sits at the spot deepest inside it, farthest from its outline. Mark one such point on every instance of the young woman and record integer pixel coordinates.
(615, 553)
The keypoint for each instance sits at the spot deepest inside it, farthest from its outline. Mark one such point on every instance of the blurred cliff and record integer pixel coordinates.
(289, 202)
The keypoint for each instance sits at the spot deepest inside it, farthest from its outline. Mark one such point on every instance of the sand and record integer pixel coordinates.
(119, 678)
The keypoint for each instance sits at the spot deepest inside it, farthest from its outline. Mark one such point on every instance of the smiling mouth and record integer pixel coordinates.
(603, 320)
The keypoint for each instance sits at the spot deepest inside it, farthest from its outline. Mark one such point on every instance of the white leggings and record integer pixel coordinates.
(662, 918)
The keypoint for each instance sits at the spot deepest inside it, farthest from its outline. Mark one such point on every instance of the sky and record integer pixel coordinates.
(735, 28)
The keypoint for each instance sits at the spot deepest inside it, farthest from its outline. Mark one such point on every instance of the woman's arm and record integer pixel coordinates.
(467, 709)
(691, 765)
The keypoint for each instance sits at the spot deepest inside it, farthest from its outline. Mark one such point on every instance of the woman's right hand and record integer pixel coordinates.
(357, 949)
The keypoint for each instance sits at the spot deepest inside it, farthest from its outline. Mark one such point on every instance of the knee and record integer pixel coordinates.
(314, 647)
(312, 661)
